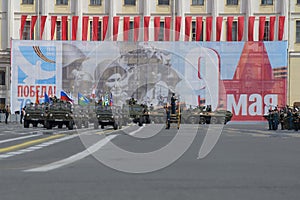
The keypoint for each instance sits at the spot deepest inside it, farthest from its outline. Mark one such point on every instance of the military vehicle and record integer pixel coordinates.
(108, 115)
(204, 115)
(139, 114)
(34, 114)
(158, 115)
(58, 114)
(81, 117)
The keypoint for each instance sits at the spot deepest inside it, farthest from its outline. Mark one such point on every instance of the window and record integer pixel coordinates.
(61, 2)
(129, 2)
(267, 2)
(26, 31)
(2, 77)
(194, 32)
(198, 2)
(161, 31)
(27, 1)
(266, 31)
(298, 2)
(232, 2)
(131, 28)
(163, 2)
(2, 104)
(58, 30)
(99, 31)
(95, 2)
(297, 31)
(234, 31)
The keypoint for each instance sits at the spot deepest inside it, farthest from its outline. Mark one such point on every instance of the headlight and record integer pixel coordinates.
(27, 115)
(42, 115)
(98, 116)
(67, 115)
(51, 115)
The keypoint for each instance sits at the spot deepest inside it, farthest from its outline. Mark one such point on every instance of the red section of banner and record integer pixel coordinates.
(272, 28)
(53, 25)
(136, 24)
(254, 87)
(64, 27)
(32, 24)
(146, 28)
(187, 22)
(262, 21)
(23, 21)
(115, 27)
(177, 28)
(156, 28)
(241, 22)
(281, 27)
(250, 28)
(198, 28)
(229, 28)
(219, 28)
(208, 28)
(43, 22)
(95, 28)
(105, 26)
(167, 28)
(74, 27)
(126, 21)
(85, 25)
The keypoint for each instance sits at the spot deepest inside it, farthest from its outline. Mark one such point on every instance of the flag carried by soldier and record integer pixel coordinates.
(111, 100)
(82, 100)
(65, 97)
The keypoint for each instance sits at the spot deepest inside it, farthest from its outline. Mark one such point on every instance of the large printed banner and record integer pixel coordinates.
(245, 78)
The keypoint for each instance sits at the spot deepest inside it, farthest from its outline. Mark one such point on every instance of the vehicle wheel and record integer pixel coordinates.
(96, 125)
(70, 125)
(222, 120)
(102, 126)
(115, 126)
(213, 120)
(86, 124)
(26, 124)
(202, 120)
(192, 120)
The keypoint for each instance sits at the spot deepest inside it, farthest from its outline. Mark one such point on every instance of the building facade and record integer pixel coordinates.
(192, 20)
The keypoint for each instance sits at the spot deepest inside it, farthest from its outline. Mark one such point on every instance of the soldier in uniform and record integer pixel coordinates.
(167, 107)
(270, 118)
(173, 103)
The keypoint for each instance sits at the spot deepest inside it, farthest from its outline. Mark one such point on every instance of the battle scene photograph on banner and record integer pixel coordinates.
(246, 78)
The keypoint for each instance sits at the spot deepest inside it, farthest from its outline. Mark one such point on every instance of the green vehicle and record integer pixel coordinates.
(108, 116)
(34, 114)
(158, 115)
(81, 117)
(58, 114)
(139, 114)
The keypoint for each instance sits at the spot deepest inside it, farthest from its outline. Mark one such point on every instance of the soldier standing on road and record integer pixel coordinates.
(173, 103)
(7, 112)
(270, 118)
(22, 114)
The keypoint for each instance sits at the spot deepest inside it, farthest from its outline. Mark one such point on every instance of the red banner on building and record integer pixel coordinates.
(85, 25)
(115, 27)
(146, 28)
(136, 21)
(272, 28)
(219, 28)
(229, 28)
(74, 27)
(167, 28)
(95, 28)
(188, 21)
(208, 28)
(105, 26)
(241, 22)
(251, 28)
(32, 24)
(262, 21)
(64, 27)
(53, 25)
(281, 27)
(23, 21)
(177, 28)
(43, 22)
(126, 28)
(198, 28)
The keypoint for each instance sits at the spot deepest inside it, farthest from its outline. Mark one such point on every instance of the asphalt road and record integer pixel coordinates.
(247, 162)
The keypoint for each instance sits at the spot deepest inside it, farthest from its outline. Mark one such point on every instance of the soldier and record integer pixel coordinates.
(168, 116)
(173, 103)
(7, 112)
(276, 118)
(270, 118)
(290, 119)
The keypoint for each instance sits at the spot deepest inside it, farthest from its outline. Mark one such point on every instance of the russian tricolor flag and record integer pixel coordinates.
(65, 97)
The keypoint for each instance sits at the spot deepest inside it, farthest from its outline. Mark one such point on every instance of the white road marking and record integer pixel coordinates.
(95, 147)
(18, 138)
